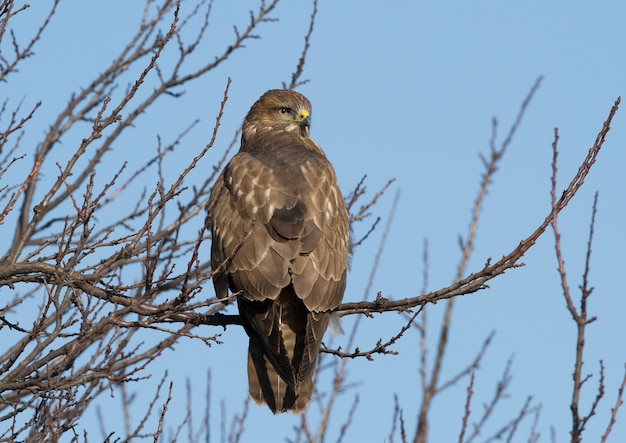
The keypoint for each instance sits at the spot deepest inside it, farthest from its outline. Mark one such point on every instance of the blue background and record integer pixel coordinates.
(405, 90)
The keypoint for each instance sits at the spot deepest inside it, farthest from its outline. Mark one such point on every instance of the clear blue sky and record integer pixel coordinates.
(407, 89)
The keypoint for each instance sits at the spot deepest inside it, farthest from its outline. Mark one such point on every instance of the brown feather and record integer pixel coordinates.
(278, 202)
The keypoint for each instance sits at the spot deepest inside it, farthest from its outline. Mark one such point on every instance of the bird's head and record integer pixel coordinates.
(280, 109)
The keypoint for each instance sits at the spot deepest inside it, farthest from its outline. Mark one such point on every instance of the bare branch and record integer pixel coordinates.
(477, 280)
(379, 348)
(295, 77)
(615, 409)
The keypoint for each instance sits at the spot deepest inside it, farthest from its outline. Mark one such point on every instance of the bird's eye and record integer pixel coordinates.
(284, 110)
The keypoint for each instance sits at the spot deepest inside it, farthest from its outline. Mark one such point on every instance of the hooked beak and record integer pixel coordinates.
(304, 119)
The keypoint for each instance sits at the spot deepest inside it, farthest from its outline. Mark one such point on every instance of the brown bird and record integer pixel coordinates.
(280, 235)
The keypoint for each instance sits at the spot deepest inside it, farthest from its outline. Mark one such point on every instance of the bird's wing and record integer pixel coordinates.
(290, 212)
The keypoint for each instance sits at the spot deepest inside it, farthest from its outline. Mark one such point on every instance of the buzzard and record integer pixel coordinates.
(280, 240)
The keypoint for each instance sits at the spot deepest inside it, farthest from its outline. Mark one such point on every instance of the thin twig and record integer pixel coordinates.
(618, 403)
(466, 414)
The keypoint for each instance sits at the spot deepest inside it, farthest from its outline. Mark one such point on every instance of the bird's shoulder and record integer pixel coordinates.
(269, 144)
(276, 160)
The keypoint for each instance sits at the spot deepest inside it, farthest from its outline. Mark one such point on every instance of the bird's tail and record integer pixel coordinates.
(268, 387)
(285, 340)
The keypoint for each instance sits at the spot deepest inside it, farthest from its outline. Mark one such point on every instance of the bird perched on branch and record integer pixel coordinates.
(280, 234)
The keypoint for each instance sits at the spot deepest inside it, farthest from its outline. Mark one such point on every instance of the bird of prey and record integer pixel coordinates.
(280, 241)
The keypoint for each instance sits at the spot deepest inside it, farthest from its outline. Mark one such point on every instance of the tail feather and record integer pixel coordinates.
(268, 387)
(285, 339)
